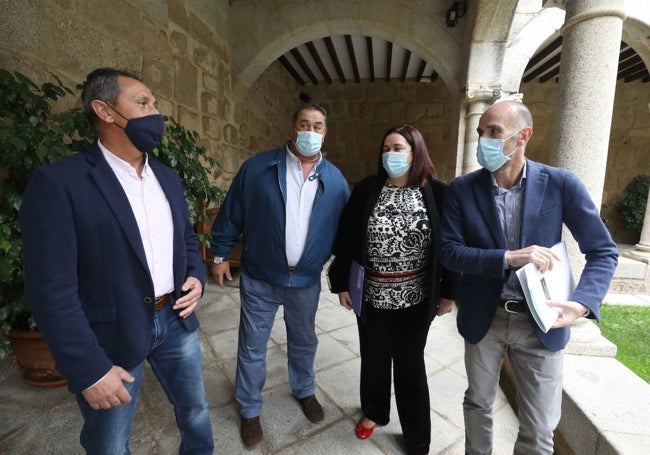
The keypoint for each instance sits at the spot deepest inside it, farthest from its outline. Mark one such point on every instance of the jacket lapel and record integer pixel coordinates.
(534, 191)
(487, 207)
(116, 199)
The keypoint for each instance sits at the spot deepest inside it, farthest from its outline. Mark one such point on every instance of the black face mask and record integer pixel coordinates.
(145, 133)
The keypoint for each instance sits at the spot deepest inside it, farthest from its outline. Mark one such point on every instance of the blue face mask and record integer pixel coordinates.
(395, 163)
(489, 152)
(308, 143)
(145, 133)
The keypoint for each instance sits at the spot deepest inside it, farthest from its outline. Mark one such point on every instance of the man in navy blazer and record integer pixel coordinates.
(498, 219)
(112, 269)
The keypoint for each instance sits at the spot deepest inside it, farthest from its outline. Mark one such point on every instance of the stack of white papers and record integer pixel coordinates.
(556, 284)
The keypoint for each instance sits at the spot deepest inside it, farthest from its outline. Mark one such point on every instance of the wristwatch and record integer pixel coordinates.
(218, 260)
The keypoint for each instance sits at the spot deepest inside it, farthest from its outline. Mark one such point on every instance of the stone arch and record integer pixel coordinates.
(524, 45)
(635, 32)
(253, 54)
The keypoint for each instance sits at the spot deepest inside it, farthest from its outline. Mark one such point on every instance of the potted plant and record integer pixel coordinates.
(31, 135)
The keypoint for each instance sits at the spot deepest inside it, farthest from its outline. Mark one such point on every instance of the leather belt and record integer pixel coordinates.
(162, 301)
(513, 306)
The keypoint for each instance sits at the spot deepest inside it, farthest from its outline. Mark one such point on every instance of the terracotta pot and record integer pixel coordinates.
(35, 359)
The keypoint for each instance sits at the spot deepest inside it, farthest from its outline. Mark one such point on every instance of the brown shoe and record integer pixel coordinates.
(251, 431)
(312, 409)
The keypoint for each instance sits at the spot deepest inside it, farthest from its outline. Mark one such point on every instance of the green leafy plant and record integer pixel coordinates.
(633, 205)
(33, 134)
(180, 151)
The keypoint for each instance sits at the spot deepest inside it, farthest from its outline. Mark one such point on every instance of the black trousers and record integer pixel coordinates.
(397, 338)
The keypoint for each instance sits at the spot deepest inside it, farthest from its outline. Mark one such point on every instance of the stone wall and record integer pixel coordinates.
(184, 48)
(181, 47)
(360, 113)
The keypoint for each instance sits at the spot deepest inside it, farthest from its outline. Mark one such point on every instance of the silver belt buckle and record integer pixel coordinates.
(508, 302)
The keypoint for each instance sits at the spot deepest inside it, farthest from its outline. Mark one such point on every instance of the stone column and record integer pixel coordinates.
(642, 250)
(478, 100)
(583, 115)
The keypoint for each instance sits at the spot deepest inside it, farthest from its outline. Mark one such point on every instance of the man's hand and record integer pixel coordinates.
(345, 300)
(445, 306)
(567, 312)
(192, 290)
(219, 270)
(109, 392)
(543, 258)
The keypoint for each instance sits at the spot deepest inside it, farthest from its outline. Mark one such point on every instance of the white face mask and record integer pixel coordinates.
(490, 152)
(308, 143)
(395, 163)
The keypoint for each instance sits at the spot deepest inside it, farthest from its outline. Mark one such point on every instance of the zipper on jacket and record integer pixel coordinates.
(291, 269)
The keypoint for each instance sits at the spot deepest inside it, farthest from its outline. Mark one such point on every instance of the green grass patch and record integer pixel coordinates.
(628, 327)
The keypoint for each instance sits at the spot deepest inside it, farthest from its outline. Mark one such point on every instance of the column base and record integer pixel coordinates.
(586, 339)
(641, 253)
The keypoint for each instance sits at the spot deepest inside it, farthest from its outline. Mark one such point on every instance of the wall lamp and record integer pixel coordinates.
(457, 10)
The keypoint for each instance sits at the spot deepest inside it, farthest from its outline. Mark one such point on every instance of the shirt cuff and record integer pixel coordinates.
(98, 381)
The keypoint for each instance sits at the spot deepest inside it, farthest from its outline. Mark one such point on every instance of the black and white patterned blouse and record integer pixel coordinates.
(398, 253)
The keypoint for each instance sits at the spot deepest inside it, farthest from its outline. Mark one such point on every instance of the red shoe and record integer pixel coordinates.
(363, 432)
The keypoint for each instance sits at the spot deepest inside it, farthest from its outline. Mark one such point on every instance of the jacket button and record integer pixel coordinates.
(148, 300)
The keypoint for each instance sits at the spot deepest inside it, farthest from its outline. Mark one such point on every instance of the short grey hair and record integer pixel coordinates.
(102, 84)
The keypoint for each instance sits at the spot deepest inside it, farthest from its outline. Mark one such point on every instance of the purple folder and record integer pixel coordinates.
(355, 286)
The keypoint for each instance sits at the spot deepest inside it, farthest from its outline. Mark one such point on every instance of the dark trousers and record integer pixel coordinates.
(397, 337)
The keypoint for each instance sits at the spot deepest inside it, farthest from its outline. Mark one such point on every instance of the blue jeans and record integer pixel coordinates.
(175, 359)
(259, 303)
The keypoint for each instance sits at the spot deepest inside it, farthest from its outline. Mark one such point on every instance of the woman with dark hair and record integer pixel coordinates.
(391, 227)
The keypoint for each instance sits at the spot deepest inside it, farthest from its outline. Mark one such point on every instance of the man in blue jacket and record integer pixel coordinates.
(497, 220)
(112, 270)
(286, 203)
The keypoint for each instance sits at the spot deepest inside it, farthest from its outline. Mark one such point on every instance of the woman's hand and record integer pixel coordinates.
(345, 300)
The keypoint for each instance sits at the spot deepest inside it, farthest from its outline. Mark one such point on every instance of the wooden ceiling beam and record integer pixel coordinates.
(335, 59)
(353, 57)
(303, 65)
(292, 71)
(552, 74)
(389, 59)
(626, 54)
(405, 64)
(633, 69)
(420, 73)
(637, 75)
(541, 55)
(314, 54)
(371, 58)
(539, 71)
(622, 66)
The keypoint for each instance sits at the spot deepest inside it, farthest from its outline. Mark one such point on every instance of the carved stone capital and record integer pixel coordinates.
(475, 94)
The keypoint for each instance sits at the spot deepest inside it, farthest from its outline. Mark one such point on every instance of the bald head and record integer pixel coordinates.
(515, 113)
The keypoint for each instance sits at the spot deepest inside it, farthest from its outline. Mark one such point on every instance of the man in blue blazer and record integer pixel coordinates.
(497, 220)
(112, 269)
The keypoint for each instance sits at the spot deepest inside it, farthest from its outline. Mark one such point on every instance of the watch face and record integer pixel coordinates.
(217, 260)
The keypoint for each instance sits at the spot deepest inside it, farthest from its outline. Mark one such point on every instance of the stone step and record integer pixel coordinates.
(628, 268)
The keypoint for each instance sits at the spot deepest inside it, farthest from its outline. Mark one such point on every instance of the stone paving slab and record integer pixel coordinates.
(36, 422)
